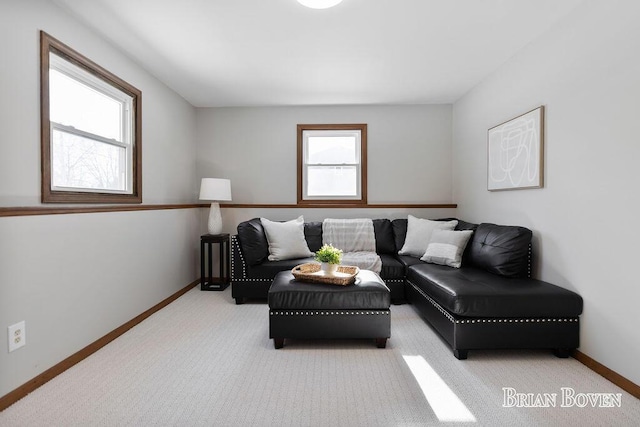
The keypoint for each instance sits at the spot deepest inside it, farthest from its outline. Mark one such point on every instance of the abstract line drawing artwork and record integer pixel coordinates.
(515, 152)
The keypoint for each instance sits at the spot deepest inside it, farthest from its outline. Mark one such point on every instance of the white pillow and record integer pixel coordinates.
(419, 234)
(446, 247)
(286, 239)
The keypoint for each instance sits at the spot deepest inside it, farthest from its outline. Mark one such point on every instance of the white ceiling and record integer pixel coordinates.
(277, 52)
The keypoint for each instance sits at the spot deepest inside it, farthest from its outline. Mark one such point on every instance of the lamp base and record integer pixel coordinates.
(215, 219)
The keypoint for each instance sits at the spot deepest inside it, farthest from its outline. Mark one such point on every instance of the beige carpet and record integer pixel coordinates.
(203, 361)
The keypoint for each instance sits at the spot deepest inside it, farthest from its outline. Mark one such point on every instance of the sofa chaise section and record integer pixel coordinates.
(491, 302)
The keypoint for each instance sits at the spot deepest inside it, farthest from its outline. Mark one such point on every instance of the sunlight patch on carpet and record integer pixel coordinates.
(445, 403)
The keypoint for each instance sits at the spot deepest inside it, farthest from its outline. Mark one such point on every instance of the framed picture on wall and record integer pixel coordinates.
(515, 152)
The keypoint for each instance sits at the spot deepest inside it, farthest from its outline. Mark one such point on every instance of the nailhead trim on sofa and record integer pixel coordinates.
(236, 245)
(327, 313)
(435, 304)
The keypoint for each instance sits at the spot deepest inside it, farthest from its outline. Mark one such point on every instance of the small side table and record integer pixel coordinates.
(208, 282)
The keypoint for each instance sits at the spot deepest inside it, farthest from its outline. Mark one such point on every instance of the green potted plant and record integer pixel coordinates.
(329, 257)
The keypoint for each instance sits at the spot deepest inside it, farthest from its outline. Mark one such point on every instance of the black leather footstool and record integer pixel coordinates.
(300, 310)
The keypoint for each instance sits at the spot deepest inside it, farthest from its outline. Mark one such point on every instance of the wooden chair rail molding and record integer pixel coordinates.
(340, 206)
(62, 210)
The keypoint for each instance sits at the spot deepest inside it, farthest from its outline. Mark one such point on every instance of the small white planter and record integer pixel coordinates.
(329, 269)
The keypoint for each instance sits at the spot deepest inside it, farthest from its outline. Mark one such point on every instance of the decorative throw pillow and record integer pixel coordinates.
(286, 239)
(446, 247)
(419, 234)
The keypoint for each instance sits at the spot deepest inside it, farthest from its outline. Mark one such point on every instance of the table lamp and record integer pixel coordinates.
(215, 189)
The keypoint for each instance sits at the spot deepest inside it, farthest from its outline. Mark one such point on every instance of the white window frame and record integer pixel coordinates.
(359, 132)
(55, 55)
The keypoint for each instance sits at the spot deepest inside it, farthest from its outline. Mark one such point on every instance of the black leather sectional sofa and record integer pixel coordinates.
(490, 302)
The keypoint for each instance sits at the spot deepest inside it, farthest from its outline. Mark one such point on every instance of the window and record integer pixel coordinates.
(332, 164)
(91, 130)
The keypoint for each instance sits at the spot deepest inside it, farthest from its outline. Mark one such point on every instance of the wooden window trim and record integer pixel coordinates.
(49, 45)
(362, 127)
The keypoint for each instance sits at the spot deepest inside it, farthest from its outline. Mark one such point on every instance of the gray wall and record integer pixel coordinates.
(74, 278)
(585, 71)
(409, 156)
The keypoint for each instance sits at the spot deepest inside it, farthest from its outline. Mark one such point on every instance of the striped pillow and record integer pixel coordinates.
(446, 247)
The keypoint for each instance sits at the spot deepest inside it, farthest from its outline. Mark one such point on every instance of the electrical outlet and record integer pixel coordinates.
(17, 336)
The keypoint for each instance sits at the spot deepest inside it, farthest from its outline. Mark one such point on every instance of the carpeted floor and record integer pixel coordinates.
(205, 361)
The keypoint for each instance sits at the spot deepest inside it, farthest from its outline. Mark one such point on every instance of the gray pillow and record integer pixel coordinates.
(419, 234)
(446, 247)
(286, 239)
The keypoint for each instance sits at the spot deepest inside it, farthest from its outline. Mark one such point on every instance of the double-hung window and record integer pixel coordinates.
(332, 165)
(90, 130)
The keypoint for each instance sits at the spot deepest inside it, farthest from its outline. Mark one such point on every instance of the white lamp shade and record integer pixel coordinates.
(215, 189)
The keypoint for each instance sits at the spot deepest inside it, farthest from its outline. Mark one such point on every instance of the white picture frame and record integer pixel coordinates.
(515, 153)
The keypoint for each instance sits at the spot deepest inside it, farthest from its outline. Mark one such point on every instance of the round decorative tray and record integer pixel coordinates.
(312, 272)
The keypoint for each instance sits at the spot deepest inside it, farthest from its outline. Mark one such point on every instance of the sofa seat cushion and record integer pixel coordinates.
(473, 292)
(269, 269)
(407, 261)
(363, 260)
(367, 293)
(392, 268)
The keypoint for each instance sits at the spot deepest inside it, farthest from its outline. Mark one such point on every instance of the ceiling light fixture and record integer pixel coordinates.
(319, 4)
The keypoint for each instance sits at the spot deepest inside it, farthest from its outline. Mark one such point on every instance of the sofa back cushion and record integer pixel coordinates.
(399, 232)
(313, 235)
(253, 241)
(390, 237)
(255, 247)
(500, 249)
(462, 226)
(385, 241)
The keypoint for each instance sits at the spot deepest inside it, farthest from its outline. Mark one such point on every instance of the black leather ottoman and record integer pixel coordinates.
(321, 311)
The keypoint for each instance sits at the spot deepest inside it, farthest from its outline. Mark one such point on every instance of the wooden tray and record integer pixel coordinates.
(311, 272)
